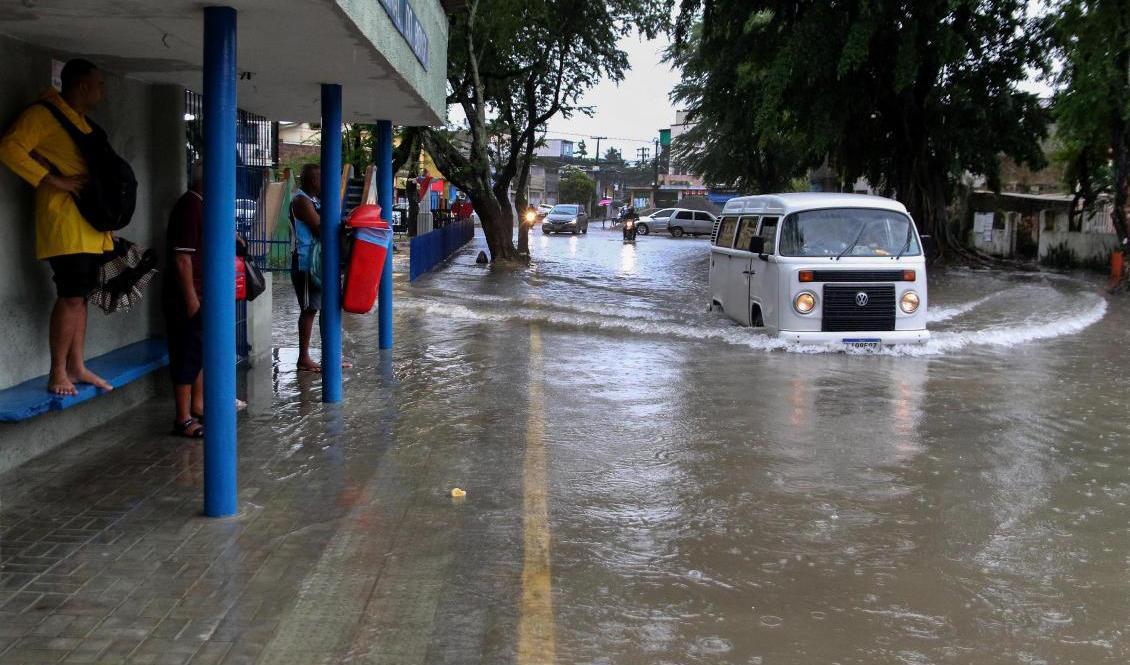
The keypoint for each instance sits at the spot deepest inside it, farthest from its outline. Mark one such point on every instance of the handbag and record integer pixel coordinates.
(256, 283)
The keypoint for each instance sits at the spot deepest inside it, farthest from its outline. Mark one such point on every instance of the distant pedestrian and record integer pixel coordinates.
(39, 149)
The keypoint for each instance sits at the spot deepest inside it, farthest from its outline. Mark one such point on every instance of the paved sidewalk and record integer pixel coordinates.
(347, 546)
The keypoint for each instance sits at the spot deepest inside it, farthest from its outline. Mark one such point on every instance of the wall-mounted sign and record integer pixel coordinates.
(404, 18)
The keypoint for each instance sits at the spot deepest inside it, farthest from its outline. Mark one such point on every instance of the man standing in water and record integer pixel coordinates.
(39, 150)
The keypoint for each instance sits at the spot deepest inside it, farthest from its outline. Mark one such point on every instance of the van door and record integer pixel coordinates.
(741, 271)
(720, 259)
(763, 279)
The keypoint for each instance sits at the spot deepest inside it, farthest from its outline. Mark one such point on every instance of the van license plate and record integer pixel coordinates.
(863, 344)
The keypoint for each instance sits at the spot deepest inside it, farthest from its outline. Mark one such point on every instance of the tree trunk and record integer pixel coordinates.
(522, 203)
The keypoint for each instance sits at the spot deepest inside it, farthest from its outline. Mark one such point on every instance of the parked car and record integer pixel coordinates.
(654, 221)
(693, 222)
(543, 210)
(821, 269)
(566, 217)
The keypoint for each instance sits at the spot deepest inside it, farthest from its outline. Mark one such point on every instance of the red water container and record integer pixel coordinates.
(372, 239)
(240, 278)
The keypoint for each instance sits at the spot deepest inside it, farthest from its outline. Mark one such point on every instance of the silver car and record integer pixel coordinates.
(692, 222)
(655, 221)
(678, 221)
(566, 218)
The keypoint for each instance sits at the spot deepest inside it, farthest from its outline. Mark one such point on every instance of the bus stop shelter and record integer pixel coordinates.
(327, 61)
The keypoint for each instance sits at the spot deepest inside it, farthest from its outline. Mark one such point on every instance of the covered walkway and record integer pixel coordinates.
(331, 61)
(346, 545)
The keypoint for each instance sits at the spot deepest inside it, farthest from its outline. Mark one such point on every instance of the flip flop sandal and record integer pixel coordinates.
(189, 429)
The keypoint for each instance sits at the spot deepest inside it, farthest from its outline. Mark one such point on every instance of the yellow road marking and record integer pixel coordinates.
(536, 635)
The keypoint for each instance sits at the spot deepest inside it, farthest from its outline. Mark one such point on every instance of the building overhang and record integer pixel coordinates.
(286, 50)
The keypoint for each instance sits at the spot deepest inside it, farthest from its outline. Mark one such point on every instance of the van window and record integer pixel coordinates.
(726, 229)
(848, 232)
(746, 231)
(769, 232)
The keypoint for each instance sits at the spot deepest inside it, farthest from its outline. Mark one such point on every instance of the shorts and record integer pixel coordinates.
(76, 275)
(309, 293)
(185, 336)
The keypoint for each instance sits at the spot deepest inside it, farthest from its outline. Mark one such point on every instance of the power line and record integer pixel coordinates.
(587, 136)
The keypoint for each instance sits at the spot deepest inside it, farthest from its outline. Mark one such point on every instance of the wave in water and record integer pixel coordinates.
(939, 314)
(617, 319)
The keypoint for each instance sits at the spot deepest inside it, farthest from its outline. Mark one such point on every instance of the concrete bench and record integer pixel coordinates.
(119, 367)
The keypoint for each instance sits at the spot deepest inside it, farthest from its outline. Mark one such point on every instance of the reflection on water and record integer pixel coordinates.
(715, 496)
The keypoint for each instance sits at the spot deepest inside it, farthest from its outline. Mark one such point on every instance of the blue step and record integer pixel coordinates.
(119, 367)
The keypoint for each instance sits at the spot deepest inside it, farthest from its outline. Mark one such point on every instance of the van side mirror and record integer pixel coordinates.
(929, 247)
(757, 245)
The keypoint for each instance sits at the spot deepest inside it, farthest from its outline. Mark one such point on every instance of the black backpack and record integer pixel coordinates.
(108, 198)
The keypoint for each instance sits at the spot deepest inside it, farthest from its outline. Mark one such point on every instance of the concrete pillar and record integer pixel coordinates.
(331, 243)
(383, 160)
(219, 261)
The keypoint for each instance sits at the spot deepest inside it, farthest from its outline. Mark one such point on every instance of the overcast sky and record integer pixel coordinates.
(634, 111)
(631, 113)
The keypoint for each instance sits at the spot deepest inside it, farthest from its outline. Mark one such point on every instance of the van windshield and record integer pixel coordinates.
(848, 232)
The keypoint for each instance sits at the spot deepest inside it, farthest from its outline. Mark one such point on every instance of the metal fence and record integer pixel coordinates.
(256, 156)
(428, 250)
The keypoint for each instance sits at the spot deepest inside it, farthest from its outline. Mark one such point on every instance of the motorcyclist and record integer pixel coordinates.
(631, 217)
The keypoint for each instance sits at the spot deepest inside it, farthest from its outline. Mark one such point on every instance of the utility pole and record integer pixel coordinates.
(655, 184)
(597, 169)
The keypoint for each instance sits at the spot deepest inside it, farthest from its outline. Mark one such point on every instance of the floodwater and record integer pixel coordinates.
(715, 497)
(646, 484)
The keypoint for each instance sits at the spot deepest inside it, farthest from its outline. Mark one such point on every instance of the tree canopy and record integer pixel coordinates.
(1092, 107)
(910, 95)
(576, 187)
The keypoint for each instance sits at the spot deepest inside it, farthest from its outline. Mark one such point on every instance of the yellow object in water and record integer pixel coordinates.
(457, 493)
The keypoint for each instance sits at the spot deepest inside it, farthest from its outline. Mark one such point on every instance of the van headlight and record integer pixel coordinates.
(804, 302)
(909, 302)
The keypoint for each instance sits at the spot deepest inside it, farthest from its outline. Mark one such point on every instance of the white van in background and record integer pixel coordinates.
(821, 268)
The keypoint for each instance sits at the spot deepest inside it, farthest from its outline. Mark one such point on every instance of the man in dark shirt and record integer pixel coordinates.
(183, 285)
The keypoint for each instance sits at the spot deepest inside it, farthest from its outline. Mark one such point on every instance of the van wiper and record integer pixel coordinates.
(906, 244)
(853, 242)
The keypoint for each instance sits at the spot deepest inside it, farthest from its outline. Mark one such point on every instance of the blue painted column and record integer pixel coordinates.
(383, 160)
(331, 243)
(219, 261)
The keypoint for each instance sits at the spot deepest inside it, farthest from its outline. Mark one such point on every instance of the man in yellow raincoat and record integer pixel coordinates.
(39, 150)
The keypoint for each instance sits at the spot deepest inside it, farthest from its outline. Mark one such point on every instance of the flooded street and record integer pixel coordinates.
(645, 484)
(716, 498)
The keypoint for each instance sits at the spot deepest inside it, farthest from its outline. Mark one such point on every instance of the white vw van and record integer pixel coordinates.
(821, 268)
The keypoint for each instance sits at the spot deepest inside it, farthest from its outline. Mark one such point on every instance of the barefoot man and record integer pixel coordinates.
(305, 225)
(39, 150)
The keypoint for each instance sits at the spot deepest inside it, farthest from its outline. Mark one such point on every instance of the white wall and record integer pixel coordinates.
(1095, 239)
(145, 124)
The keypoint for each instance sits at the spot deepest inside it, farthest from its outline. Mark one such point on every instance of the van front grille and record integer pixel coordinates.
(857, 275)
(843, 313)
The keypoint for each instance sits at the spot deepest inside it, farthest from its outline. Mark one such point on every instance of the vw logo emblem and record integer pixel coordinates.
(861, 299)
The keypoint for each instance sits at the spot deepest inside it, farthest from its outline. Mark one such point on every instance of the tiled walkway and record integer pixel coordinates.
(347, 546)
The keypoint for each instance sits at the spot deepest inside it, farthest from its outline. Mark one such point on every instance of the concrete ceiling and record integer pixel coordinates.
(286, 49)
